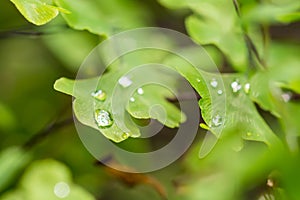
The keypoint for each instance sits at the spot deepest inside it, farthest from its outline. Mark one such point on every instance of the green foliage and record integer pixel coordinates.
(36, 11)
(256, 127)
(42, 178)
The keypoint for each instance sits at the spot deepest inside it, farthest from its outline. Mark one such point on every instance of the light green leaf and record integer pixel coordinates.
(12, 161)
(104, 17)
(37, 12)
(49, 180)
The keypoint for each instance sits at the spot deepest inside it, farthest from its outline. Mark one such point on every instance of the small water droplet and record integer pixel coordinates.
(140, 91)
(236, 86)
(249, 134)
(220, 92)
(125, 81)
(214, 83)
(132, 99)
(247, 87)
(103, 118)
(198, 80)
(125, 135)
(286, 97)
(217, 121)
(99, 95)
(61, 190)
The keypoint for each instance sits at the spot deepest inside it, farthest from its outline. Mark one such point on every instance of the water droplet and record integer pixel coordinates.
(214, 83)
(220, 92)
(125, 81)
(140, 91)
(99, 95)
(61, 190)
(249, 134)
(125, 135)
(103, 118)
(198, 80)
(217, 121)
(286, 97)
(132, 99)
(247, 87)
(236, 86)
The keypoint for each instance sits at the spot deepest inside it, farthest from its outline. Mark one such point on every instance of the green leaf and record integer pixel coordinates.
(270, 13)
(12, 161)
(104, 17)
(37, 12)
(85, 105)
(49, 180)
(241, 117)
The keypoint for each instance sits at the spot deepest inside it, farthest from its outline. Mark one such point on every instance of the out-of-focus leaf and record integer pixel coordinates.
(12, 161)
(69, 46)
(38, 12)
(104, 17)
(49, 180)
(271, 13)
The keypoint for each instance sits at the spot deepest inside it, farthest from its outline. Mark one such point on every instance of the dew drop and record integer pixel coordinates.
(247, 87)
(103, 118)
(132, 99)
(99, 95)
(214, 83)
(249, 134)
(236, 86)
(217, 121)
(286, 97)
(140, 91)
(220, 92)
(125, 135)
(198, 80)
(61, 190)
(125, 81)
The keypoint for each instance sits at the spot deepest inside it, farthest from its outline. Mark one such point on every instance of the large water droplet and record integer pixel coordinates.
(217, 121)
(99, 95)
(236, 86)
(220, 92)
(286, 97)
(61, 190)
(103, 118)
(247, 87)
(125, 135)
(214, 83)
(125, 81)
(140, 91)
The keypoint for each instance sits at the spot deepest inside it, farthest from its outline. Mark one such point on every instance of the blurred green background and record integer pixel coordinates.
(32, 58)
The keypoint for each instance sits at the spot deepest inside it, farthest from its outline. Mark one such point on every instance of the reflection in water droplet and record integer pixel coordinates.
(125, 81)
(220, 92)
(247, 87)
(214, 83)
(140, 91)
(198, 80)
(61, 190)
(125, 135)
(99, 95)
(217, 121)
(236, 86)
(286, 97)
(103, 118)
(132, 99)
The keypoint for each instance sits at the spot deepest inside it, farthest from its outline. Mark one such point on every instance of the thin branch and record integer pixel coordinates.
(249, 42)
(46, 132)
